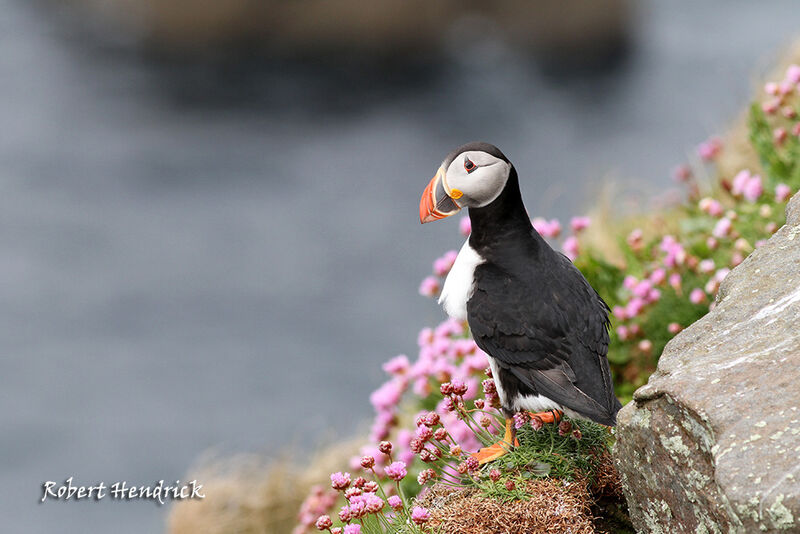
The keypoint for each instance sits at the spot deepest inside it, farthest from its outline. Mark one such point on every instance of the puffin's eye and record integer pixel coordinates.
(468, 165)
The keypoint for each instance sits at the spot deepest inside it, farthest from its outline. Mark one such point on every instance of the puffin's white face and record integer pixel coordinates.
(473, 178)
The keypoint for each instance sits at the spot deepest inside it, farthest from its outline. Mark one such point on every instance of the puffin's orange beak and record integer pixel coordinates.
(435, 202)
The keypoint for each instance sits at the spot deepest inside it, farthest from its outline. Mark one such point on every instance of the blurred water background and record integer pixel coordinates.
(217, 251)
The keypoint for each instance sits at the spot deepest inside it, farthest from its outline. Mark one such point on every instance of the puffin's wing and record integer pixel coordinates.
(550, 331)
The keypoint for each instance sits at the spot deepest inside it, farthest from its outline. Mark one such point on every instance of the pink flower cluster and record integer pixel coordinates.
(548, 229)
(671, 265)
(642, 294)
(747, 185)
(710, 149)
(780, 92)
(363, 498)
(319, 501)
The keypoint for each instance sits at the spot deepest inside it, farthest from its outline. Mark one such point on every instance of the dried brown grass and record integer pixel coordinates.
(555, 506)
(250, 495)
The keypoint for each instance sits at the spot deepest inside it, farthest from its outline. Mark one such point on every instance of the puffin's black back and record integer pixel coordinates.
(533, 311)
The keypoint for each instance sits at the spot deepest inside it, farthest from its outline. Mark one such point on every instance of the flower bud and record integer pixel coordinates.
(564, 428)
(446, 389)
(324, 522)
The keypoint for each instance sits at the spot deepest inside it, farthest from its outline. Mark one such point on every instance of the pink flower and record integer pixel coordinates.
(387, 396)
(779, 135)
(551, 228)
(465, 226)
(645, 345)
(771, 88)
(398, 365)
(352, 528)
(620, 313)
(324, 522)
(429, 287)
(711, 286)
(676, 254)
(673, 328)
(443, 265)
(720, 275)
(634, 239)
(722, 228)
(697, 296)
(622, 332)
(706, 266)
(753, 189)
(675, 281)
(395, 502)
(634, 307)
(710, 148)
(793, 74)
(711, 206)
(520, 419)
(425, 337)
(420, 515)
(396, 471)
(771, 106)
(579, 223)
(782, 192)
(642, 289)
(681, 173)
(340, 481)
(374, 504)
(424, 433)
(712, 243)
(739, 181)
(658, 276)
(747, 185)
(571, 247)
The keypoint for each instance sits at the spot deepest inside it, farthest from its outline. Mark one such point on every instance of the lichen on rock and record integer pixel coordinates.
(711, 443)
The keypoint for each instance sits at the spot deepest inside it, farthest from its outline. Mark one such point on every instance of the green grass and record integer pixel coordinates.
(544, 453)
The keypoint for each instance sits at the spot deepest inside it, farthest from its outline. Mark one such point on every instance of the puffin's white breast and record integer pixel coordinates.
(460, 282)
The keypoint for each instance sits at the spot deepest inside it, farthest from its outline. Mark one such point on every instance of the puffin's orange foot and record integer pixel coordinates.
(552, 416)
(493, 452)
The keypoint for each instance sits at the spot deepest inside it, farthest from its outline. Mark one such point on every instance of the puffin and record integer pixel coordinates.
(542, 325)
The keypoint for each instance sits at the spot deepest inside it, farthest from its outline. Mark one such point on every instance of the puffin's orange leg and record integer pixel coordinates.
(493, 452)
(552, 416)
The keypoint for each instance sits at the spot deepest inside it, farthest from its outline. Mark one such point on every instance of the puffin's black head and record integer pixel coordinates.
(473, 175)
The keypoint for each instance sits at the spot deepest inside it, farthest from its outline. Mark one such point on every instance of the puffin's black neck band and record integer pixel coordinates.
(504, 216)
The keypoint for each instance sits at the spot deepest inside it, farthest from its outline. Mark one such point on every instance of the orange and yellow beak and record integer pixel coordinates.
(436, 202)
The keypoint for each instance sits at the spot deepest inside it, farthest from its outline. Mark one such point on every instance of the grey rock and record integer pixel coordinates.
(712, 442)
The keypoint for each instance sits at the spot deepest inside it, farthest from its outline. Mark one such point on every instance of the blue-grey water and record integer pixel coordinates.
(196, 259)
